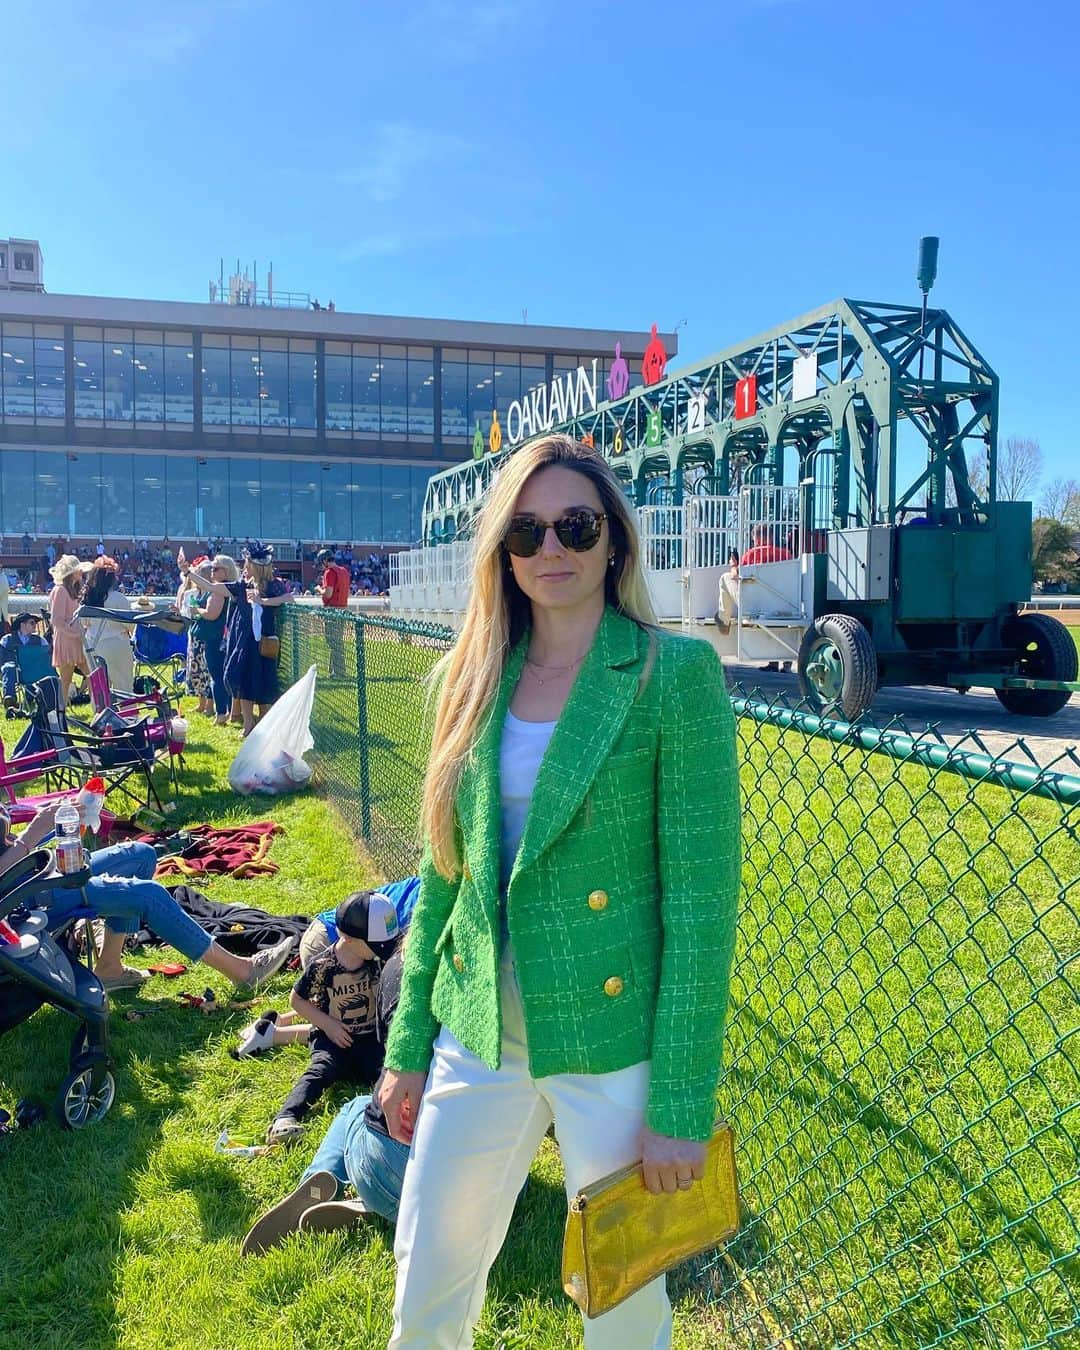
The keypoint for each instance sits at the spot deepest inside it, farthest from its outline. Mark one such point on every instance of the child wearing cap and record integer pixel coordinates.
(337, 996)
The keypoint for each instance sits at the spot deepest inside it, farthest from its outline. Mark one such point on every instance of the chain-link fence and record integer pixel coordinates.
(902, 1062)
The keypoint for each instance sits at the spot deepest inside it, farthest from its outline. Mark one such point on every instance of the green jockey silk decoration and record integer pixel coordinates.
(478, 442)
(654, 427)
(654, 362)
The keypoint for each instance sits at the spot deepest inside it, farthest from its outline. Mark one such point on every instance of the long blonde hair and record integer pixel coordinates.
(464, 682)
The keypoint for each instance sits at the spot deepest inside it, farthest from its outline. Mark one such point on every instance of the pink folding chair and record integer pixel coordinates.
(25, 769)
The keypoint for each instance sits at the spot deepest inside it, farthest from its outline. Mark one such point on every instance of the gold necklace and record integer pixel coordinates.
(560, 669)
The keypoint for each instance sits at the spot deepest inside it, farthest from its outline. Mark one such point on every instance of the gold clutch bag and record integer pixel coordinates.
(619, 1236)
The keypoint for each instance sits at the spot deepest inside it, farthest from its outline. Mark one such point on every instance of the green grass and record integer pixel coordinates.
(902, 1058)
(901, 1069)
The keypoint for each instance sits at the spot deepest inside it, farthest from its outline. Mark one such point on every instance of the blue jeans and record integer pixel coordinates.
(121, 892)
(215, 664)
(373, 1162)
(9, 675)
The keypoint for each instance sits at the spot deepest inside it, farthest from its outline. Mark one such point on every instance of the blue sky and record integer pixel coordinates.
(603, 164)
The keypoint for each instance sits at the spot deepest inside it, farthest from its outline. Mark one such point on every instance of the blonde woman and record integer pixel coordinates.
(568, 957)
(249, 676)
(68, 652)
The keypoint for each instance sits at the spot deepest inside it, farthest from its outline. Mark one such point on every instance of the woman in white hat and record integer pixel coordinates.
(69, 653)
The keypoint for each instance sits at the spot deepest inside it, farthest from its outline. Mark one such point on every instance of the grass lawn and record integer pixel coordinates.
(897, 1069)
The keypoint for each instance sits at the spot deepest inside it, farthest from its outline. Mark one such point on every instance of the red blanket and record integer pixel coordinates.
(235, 851)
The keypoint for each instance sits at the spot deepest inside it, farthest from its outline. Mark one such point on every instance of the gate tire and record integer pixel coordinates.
(858, 674)
(1055, 658)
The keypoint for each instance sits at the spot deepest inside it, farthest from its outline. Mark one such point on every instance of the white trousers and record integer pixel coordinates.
(476, 1135)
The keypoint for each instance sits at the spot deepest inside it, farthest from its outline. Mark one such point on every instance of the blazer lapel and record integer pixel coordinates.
(590, 723)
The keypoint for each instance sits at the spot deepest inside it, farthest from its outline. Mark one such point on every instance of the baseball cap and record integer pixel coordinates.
(370, 916)
(324, 555)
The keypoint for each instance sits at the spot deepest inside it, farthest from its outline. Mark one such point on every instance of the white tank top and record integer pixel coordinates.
(522, 749)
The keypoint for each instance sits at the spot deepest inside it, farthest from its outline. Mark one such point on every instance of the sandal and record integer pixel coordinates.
(129, 978)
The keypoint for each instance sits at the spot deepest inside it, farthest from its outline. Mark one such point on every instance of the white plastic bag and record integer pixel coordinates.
(271, 760)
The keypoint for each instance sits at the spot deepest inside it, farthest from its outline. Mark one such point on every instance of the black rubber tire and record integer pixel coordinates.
(86, 1094)
(838, 666)
(1045, 651)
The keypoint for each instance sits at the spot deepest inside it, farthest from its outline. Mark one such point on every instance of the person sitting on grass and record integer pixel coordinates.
(335, 998)
(273, 1028)
(121, 890)
(356, 1150)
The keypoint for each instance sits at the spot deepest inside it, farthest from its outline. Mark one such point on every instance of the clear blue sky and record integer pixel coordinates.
(606, 164)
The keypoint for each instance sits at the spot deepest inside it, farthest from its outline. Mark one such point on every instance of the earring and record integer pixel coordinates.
(611, 560)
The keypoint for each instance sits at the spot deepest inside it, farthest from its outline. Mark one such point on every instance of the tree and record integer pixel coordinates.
(1061, 501)
(1019, 467)
(1054, 554)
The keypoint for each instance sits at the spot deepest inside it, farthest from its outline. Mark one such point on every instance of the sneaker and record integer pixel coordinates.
(333, 1214)
(285, 1216)
(257, 1037)
(266, 964)
(284, 1130)
(723, 625)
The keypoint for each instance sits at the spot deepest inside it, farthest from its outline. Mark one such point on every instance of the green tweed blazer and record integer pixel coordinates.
(621, 902)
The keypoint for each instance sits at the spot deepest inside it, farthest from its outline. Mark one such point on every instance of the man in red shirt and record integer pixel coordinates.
(335, 595)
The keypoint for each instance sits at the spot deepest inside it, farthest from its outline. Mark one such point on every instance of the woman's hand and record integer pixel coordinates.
(42, 824)
(670, 1164)
(399, 1098)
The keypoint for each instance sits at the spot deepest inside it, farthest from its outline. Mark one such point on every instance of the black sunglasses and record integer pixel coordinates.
(577, 530)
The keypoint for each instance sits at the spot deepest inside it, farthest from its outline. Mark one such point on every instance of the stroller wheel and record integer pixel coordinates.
(85, 1095)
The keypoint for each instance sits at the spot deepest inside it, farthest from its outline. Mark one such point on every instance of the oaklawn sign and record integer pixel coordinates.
(546, 406)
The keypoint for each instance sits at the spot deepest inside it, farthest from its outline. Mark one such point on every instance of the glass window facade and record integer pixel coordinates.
(153, 483)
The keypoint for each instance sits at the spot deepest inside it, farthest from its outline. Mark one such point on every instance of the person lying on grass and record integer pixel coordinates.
(335, 998)
(356, 1151)
(121, 890)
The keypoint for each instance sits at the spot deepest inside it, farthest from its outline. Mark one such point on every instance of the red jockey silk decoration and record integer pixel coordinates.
(745, 397)
(654, 361)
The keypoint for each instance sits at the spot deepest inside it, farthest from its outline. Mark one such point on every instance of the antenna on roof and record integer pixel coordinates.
(524, 316)
(926, 276)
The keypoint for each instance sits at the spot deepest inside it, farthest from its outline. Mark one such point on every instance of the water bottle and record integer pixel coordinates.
(68, 843)
(89, 802)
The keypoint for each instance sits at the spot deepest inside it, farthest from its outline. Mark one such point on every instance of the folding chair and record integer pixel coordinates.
(152, 710)
(123, 756)
(32, 662)
(161, 649)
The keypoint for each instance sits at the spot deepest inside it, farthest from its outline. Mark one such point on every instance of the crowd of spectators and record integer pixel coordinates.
(151, 568)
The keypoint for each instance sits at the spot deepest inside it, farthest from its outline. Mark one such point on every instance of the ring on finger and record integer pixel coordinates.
(684, 1183)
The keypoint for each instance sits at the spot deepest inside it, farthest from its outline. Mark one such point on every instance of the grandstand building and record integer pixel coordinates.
(159, 419)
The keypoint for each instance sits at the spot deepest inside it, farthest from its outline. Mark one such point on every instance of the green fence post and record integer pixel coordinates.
(362, 731)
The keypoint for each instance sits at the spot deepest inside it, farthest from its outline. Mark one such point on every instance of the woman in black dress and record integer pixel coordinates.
(250, 676)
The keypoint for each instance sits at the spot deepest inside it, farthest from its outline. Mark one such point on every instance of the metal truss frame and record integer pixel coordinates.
(877, 367)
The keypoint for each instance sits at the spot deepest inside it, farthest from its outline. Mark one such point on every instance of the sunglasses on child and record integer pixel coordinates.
(577, 530)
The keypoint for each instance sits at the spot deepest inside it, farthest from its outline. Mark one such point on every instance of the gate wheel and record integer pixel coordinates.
(1045, 651)
(838, 665)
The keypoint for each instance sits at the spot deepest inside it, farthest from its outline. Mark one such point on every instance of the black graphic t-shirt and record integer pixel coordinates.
(352, 997)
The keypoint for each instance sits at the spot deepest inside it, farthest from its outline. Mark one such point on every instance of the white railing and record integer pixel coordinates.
(684, 550)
